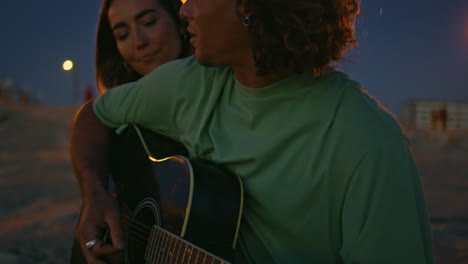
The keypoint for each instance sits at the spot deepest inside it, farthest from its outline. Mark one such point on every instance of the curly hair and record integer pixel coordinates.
(304, 34)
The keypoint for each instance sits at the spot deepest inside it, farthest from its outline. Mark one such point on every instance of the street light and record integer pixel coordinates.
(68, 65)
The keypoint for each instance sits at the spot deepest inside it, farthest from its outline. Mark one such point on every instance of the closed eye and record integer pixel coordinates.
(150, 22)
(122, 36)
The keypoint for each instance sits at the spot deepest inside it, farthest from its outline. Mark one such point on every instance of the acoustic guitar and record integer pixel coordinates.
(181, 210)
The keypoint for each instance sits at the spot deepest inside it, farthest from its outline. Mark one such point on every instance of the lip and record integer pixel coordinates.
(147, 57)
(193, 39)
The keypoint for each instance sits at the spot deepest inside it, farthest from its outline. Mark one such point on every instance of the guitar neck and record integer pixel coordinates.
(164, 247)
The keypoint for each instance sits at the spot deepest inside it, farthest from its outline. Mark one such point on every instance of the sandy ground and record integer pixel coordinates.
(40, 200)
(443, 163)
(39, 196)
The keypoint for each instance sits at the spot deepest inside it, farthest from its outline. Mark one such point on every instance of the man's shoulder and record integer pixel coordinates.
(188, 66)
(359, 115)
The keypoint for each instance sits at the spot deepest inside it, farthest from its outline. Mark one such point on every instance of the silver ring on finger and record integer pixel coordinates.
(90, 244)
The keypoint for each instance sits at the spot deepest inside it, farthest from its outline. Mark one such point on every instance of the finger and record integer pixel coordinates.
(116, 231)
(101, 249)
(89, 255)
(89, 226)
(85, 233)
(95, 261)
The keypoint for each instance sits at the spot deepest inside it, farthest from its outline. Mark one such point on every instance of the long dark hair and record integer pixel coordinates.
(109, 65)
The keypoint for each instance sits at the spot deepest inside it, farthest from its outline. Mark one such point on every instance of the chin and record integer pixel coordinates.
(148, 70)
(141, 71)
(207, 60)
(204, 61)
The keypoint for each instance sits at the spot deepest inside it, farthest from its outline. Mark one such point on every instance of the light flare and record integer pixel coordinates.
(67, 65)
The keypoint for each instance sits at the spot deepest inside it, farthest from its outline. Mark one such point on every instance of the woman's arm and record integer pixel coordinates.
(90, 145)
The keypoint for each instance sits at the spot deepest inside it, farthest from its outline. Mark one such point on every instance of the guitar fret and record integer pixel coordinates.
(150, 249)
(162, 248)
(199, 252)
(184, 251)
(204, 259)
(156, 245)
(190, 251)
(196, 258)
(165, 247)
(169, 250)
(147, 251)
(178, 251)
(159, 245)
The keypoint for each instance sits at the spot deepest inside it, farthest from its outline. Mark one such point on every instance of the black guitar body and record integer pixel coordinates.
(192, 199)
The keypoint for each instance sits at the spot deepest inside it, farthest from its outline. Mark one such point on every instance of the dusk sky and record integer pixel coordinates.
(408, 49)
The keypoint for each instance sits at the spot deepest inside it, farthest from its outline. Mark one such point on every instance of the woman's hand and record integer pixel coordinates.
(100, 211)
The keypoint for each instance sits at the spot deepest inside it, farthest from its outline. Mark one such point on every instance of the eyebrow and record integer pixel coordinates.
(137, 16)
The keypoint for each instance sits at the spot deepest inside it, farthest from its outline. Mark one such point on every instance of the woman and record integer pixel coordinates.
(133, 38)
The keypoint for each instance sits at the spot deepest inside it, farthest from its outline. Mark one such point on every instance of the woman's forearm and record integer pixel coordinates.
(90, 150)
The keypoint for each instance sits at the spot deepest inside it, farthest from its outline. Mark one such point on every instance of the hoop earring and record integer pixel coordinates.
(246, 21)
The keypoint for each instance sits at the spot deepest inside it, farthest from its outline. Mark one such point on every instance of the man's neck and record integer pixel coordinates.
(246, 74)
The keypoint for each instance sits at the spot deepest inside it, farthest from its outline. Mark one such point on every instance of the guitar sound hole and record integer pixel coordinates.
(138, 231)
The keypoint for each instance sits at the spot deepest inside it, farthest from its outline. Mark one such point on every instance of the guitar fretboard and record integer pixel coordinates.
(165, 247)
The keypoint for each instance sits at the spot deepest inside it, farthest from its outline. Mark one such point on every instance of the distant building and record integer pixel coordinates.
(11, 92)
(435, 115)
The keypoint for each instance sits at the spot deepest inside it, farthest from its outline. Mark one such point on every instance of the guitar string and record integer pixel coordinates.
(144, 243)
(136, 229)
(161, 254)
(138, 240)
(138, 225)
(165, 235)
(138, 234)
(142, 234)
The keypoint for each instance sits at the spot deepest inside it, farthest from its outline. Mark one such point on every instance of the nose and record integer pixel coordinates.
(140, 39)
(184, 10)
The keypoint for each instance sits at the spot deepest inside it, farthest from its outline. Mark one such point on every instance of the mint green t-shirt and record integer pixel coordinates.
(328, 173)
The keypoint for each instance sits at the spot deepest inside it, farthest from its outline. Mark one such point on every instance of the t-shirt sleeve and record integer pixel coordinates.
(146, 102)
(384, 216)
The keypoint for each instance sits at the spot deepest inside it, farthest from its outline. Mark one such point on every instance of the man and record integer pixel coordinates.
(327, 171)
